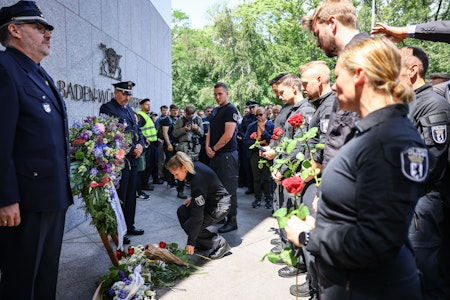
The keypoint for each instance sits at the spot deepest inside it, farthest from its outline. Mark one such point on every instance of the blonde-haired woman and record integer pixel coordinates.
(209, 204)
(370, 188)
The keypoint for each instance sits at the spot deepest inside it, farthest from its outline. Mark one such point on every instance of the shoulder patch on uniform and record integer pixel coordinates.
(439, 133)
(415, 163)
(235, 117)
(324, 125)
(200, 200)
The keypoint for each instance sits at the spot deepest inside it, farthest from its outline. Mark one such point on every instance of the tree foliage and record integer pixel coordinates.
(247, 45)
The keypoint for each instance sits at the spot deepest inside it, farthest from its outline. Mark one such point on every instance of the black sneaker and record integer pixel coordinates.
(256, 203)
(221, 251)
(268, 204)
(275, 241)
(277, 249)
(288, 271)
(181, 195)
(301, 290)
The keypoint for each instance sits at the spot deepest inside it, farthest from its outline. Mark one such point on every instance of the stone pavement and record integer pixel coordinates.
(240, 275)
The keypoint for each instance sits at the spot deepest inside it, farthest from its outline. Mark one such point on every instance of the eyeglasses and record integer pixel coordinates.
(259, 115)
(39, 27)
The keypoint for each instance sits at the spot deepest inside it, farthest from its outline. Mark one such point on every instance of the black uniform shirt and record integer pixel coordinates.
(206, 192)
(320, 119)
(219, 116)
(430, 113)
(369, 191)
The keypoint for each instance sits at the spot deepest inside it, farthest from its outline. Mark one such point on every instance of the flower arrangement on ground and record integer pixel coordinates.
(298, 170)
(98, 148)
(158, 266)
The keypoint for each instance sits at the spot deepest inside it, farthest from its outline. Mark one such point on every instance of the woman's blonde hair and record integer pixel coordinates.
(381, 61)
(180, 159)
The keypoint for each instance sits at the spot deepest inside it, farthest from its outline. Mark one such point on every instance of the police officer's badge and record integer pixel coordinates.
(200, 200)
(415, 163)
(439, 133)
(47, 107)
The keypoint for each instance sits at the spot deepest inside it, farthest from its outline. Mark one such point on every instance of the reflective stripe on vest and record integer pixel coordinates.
(148, 130)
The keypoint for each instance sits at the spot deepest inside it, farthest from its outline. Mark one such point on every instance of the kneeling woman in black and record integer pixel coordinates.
(209, 204)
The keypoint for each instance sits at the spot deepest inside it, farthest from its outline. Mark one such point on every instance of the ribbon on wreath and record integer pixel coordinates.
(114, 200)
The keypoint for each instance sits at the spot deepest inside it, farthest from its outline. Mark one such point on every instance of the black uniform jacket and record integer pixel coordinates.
(206, 193)
(34, 151)
(369, 191)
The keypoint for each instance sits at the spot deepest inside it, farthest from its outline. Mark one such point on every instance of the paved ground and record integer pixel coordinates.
(240, 275)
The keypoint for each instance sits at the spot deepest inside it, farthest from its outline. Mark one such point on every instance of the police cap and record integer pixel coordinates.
(251, 103)
(22, 12)
(143, 101)
(152, 113)
(124, 86)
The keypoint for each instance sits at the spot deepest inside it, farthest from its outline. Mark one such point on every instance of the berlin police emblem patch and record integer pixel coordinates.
(415, 163)
(439, 133)
(200, 200)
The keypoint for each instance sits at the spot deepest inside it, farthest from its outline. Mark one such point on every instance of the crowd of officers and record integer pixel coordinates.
(250, 139)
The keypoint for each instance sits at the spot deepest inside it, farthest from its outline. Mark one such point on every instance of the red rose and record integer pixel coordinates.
(162, 245)
(253, 135)
(278, 131)
(296, 120)
(78, 142)
(274, 137)
(119, 254)
(130, 250)
(293, 185)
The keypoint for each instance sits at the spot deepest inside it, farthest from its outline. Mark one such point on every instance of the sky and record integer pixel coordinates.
(196, 9)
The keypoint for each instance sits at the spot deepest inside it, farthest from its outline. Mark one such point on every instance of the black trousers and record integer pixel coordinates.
(29, 256)
(206, 239)
(167, 175)
(127, 193)
(226, 166)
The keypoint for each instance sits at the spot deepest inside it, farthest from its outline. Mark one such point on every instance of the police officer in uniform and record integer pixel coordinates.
(370, 188)
(221, 147)
(34, 158)
(118, 107)
(209, 204)
(430, 114)
(317, 89)
(151, 143)
(245, 169)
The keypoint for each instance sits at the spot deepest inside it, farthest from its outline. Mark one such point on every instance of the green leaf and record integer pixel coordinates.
(291, 146)
(282, 222)
(306, 164)
(272, 257)
(280, 212)
(303, 211)
(300, 156)
(320, 146)
(288, 257)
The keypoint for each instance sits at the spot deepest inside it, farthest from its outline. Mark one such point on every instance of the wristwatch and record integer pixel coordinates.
(303, 238)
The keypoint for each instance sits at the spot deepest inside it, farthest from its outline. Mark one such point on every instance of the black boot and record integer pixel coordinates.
(230, 225)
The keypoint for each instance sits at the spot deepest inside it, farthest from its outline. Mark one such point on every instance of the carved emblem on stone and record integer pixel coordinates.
(109, 66)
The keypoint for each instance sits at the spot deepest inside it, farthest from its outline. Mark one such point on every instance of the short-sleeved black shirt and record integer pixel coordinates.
(219, 116)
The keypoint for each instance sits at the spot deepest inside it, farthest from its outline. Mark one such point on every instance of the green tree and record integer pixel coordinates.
(246, 46)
